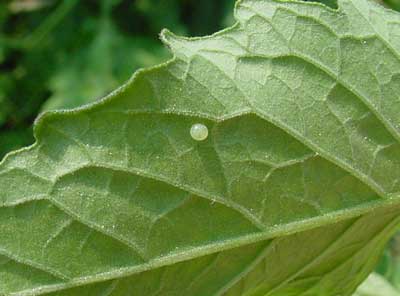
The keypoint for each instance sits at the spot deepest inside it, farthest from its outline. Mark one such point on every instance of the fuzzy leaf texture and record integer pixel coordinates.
(295, 191)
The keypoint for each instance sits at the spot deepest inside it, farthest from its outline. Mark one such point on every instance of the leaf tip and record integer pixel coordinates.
(167, 37)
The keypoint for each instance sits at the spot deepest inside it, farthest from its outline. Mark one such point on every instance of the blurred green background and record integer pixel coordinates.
(62, 54)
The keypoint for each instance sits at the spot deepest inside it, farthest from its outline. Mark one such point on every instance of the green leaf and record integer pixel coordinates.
(97, 69)
(14, 139)
(155, 12)
(389, 265)
(295, 191)
(376, 285)
(395, 4)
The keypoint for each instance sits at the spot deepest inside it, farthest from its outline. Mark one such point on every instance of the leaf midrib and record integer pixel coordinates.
(196, 252)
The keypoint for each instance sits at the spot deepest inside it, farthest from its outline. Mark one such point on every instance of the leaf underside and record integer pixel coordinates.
(295, 191)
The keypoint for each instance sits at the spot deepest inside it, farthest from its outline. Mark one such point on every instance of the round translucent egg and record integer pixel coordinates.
(199, 132)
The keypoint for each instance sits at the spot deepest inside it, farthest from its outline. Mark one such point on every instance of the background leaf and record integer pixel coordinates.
(376, 285)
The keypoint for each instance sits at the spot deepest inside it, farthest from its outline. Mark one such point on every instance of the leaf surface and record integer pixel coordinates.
(294, 192)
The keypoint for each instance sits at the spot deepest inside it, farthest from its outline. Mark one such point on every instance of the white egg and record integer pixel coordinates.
(199, 132)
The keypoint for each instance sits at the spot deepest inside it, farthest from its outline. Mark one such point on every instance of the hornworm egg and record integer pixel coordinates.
(199, 132)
